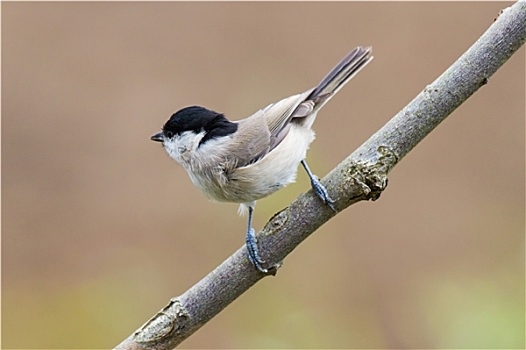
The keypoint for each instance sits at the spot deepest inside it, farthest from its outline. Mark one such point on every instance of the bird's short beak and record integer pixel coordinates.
(157, 137)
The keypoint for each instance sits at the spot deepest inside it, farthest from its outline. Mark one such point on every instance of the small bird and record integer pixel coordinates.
(246, 160)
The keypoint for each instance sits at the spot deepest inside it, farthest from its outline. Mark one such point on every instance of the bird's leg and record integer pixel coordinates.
(252, 244)
(318, 188)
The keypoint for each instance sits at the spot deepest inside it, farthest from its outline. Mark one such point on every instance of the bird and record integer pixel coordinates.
(246, 160)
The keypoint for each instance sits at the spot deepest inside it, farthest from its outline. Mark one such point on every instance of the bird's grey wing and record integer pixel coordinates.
(279, 114)
(252, 140)
(264, 130)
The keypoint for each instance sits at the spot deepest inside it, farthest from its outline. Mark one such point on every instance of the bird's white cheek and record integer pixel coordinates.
(175, 151)
(182, 147)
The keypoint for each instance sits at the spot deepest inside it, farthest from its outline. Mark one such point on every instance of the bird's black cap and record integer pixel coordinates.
(197, 119)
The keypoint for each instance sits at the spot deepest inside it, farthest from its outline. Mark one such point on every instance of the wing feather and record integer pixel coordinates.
(264, 130)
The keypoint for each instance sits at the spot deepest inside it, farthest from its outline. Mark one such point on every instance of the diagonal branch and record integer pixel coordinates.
(361, 176)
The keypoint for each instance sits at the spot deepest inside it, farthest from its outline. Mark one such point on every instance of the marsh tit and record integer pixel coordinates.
(246, 160)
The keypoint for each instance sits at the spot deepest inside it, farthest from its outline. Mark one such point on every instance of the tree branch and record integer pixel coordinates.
(361, 176)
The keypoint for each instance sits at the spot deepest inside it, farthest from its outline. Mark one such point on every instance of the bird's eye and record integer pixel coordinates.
(169, 134)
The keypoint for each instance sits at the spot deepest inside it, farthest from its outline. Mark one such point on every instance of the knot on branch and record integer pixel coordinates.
(367, 180)
(167, 321)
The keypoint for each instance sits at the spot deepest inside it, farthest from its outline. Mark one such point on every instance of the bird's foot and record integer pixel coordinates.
(321, 192)
(252, 251)
(318, 188)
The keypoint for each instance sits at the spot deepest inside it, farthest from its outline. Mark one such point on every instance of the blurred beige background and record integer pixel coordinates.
(100, 227)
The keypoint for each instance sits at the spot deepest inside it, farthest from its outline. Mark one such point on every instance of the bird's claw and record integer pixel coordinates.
(252, 251)
(322, 193)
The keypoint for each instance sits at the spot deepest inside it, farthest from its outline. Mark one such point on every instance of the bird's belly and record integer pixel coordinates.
(262, 178)
(243, 185)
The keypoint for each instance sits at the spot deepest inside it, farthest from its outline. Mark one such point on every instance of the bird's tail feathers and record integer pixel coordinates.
(344, 71)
